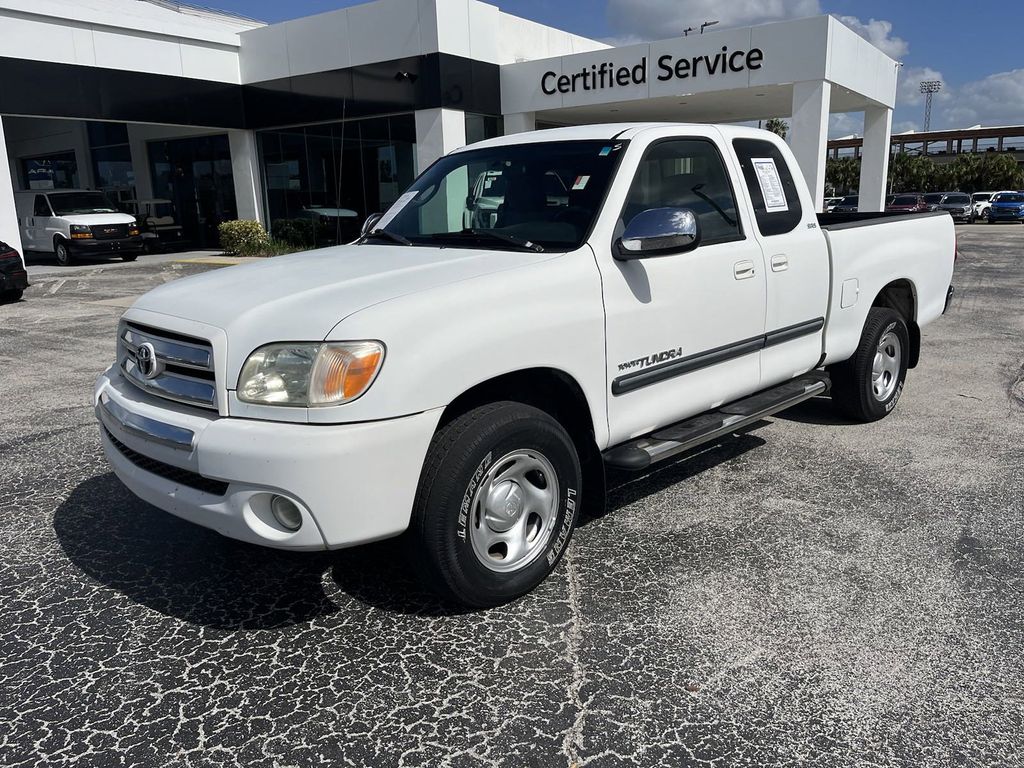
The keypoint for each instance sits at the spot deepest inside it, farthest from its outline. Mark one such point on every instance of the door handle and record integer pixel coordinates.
(743, 270)
(780, 263)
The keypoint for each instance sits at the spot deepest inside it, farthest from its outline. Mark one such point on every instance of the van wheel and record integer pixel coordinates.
(129, 257)
(63, 253)
(496, 505)
(868, 385)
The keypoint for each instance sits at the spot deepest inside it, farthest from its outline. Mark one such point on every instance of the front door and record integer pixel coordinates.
(683, 331)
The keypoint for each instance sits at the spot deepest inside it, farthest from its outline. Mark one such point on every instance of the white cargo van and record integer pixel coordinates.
(75, 222)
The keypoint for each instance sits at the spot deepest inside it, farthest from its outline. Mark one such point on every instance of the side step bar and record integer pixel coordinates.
(675, 439)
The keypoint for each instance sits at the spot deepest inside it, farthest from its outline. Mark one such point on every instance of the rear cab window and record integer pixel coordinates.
(770, 184)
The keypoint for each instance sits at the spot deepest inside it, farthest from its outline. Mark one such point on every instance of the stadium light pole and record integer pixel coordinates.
(929, 88)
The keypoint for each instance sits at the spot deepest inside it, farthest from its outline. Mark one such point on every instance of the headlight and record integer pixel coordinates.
(310, 374)
(80, 232)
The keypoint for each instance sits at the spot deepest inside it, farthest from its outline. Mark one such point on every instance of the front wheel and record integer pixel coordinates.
(63, 253)
(868, 385)
(496, 504)
(11, 296)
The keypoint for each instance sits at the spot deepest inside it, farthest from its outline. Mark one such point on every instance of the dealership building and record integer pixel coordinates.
(330, 117)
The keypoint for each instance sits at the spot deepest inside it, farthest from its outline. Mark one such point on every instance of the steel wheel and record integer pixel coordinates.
(885, 370)
(62, 253)
(513, 511)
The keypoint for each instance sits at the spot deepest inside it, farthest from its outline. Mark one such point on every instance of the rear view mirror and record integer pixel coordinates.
(370, 223)
(658, 232)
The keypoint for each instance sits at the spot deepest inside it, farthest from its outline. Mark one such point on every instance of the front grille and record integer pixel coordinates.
(108, 231)
(174, 366)
(168, 472)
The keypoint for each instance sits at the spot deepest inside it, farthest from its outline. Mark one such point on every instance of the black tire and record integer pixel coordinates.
(129, 257)
(11, 296)
(63, 253)
(464, 458)
(853, 385)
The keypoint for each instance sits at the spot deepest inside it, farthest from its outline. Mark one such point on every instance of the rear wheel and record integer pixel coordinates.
(868, 385)
(11, 295)
(496, 505)
(129, 257)
(63, 253)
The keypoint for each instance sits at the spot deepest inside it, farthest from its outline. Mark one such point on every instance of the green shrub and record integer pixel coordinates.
(243, 237)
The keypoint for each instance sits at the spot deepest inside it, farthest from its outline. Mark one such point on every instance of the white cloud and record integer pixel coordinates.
(995, 100)
(658, 19)
(878, 32)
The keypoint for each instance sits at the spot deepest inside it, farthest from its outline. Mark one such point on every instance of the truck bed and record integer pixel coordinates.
(869, 253)
(867, 218)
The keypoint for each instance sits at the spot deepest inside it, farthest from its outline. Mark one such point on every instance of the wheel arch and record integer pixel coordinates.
(901, 295)
(558, 394)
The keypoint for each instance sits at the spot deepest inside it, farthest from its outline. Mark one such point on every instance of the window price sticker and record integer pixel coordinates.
(771, 185)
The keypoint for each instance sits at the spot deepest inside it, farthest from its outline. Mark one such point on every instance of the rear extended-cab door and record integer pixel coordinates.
(795, 257)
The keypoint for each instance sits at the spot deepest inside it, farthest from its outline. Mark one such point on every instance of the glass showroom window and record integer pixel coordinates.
(322, 181)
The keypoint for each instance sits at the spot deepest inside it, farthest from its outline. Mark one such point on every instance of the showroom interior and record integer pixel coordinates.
(329, 117)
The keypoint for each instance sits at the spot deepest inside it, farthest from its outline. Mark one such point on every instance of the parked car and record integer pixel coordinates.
(468, 386)
(76, 222)
(157, 223)
(980, 202)
(907, 204)
(847, 205)
(933, 200)
(831, 203)
(956, 204)
(13, 276)
(1006, 206)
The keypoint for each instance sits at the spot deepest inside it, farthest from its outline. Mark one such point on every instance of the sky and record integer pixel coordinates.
(977, 56)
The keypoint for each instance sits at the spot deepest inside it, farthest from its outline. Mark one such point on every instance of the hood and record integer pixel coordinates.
(98, 219)
(303, 296)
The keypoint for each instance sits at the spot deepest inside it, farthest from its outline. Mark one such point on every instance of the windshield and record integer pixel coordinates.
(933, 199)
(66, 203)
(849, 201)
(905, 200)
(543, 196)
(1008, 197)
(957, 199)
(981, 197)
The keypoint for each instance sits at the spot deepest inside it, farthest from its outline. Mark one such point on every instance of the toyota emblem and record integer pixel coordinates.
(145, 358)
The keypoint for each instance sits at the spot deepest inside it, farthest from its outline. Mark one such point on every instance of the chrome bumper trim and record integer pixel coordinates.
(110, 413)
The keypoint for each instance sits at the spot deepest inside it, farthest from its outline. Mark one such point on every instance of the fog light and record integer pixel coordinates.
(286, 513)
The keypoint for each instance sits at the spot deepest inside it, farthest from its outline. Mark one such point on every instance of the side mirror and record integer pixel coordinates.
(658, 232)
(370, 223)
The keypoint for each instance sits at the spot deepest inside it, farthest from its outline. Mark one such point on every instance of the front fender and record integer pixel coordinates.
(443, 341)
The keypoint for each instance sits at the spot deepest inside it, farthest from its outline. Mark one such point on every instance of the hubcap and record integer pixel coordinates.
(885, 371)
(513, 511)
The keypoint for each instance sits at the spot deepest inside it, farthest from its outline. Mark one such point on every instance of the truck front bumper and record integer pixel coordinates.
(353, 483)
(92, 247)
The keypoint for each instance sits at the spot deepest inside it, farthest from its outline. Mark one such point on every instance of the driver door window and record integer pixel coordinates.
(687, 173)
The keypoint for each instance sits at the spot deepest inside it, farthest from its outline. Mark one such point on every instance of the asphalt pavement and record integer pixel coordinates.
(812, 592)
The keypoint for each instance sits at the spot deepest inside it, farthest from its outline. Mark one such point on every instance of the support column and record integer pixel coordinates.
(140, 161)
(245, 172)
(809, 134)
(438, 132)
(520, 122)
(10, 233)
(874, 164)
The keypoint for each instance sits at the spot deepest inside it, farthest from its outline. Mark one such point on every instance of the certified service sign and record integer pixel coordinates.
(610, 75)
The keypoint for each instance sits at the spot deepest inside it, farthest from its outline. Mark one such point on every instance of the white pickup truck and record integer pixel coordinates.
(468, 387)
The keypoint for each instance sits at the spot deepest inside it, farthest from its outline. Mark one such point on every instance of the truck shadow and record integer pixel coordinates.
(183, 570)
(817, 410)
(198, 576)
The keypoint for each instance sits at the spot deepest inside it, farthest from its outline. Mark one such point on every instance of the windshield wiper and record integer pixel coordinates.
(518, 242)
(383, 234)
